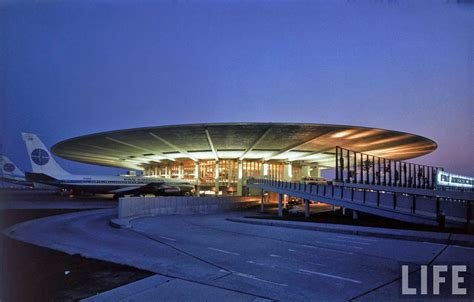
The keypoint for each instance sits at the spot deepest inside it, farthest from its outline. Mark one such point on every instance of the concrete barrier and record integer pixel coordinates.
(171, 205)
(359, 196)
(404, 203)
(386, 200)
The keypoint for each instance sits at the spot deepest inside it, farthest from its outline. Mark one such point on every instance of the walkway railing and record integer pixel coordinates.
(397, 205)
(362, 168)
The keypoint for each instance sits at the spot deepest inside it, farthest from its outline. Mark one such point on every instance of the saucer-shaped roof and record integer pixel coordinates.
(308, 143)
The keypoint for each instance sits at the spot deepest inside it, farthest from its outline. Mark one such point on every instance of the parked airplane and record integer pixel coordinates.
(47, 171)
(11, 173)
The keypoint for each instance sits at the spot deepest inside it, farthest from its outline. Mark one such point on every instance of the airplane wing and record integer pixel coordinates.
(126, 189)
(157, 188)
(40, 177)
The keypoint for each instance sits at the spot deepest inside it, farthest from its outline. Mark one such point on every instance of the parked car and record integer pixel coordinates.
(293, 202)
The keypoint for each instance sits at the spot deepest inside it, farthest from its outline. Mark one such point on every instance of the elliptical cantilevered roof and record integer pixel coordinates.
(308, 143)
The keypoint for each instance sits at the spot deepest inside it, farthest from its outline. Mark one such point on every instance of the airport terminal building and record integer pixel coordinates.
(220, 157)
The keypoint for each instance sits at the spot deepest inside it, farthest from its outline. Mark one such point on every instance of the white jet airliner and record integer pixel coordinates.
(11, 173)
(47, 171)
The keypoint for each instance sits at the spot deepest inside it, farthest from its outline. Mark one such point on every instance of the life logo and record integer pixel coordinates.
(40, 157)
(8, 167)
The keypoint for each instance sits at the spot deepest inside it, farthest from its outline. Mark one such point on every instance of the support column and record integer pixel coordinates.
(216, 179)
(355, 215)
(262, 196)
(240, 179)
(305, 171)
(343, 211)
(280, 204)
(306, 208)
(264, 172)
(315, 171)
(180, 171)
(287, 172)
(167, 172)
(196, 178)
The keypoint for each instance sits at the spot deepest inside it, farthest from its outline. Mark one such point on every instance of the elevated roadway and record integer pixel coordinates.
(420, 206)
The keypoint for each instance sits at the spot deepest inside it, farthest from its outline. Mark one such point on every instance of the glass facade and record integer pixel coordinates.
(228, 173)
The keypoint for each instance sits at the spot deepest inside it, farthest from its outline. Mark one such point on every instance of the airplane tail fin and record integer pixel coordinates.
(9, 169)
(41, 159)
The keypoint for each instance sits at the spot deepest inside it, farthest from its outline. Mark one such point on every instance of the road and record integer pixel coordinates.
(261, 261)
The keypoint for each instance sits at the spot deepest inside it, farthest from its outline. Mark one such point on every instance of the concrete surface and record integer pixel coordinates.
(172, 205)
(258, 261)
(435, 237)
(170, 289)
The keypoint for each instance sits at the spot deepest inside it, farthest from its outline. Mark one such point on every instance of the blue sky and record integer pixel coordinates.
(77, 67)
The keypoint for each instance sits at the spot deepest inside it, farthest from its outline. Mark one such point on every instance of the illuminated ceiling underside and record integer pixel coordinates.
(306, 143)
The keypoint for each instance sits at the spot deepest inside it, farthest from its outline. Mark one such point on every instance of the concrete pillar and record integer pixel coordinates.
(262, 196)
(306, 208)
(287, 172)
(280, 204)
(343, 211)
(264, 173)
(180, 171)
(355, 215)
(334, 208)
(216, 180)
(196, 177)
(305, 171)
(167, 174)
(315, 171)
(240, 179)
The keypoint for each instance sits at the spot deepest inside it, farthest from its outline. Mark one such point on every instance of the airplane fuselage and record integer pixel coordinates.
(117, 184)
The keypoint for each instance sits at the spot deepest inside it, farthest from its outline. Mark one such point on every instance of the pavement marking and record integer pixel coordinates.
(435, 243)
(308, 262)
(223, 251)
(273, 255)
(339, 244)
(330, 276)
(318, 248)
(349, 241)
(168, 238)
(344, 245)
(258, 279)
(260, 264)
(363, 239)
(462, 247)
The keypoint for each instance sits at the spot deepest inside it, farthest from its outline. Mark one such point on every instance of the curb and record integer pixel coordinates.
(326, 228)
(120, 223)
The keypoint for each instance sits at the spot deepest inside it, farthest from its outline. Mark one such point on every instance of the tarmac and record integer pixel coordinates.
(211, 257)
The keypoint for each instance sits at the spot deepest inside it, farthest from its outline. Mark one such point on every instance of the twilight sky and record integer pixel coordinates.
(69, 68)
